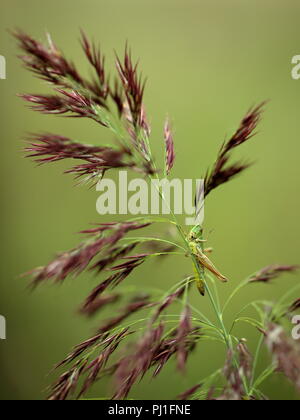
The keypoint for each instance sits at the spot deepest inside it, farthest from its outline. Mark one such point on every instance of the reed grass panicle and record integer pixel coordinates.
(123, 348)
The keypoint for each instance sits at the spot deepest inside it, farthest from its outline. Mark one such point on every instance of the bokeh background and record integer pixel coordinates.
(207, 61)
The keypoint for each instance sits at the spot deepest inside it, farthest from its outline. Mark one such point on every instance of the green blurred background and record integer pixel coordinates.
(206, 62)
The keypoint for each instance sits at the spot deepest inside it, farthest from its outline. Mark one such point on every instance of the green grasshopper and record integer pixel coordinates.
(195, 240)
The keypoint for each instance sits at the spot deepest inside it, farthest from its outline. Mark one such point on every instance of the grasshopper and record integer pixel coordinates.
(195, 241)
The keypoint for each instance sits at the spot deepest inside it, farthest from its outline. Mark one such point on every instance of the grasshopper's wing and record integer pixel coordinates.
(205, 261)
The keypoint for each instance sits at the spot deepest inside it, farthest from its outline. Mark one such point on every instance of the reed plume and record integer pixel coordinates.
(127, 350)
